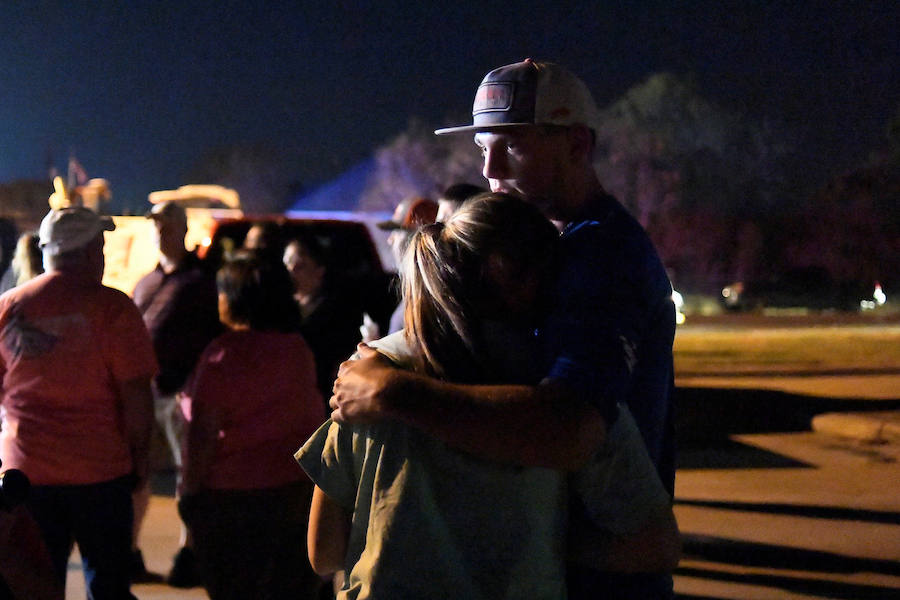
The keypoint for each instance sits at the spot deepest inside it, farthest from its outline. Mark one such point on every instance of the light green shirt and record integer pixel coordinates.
(433, 522)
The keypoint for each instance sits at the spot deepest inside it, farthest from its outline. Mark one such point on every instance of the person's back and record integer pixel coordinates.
(76, 363)
(56, 348)
(433, 522)
(263, 385)
(251, 397)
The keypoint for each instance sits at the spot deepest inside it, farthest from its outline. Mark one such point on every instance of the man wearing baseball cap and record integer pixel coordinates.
(409, 215)
(76, 364)
(608, 339)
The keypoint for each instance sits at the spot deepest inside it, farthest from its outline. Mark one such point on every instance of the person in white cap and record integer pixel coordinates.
(608, 338)
(410, 214)
(76, 363)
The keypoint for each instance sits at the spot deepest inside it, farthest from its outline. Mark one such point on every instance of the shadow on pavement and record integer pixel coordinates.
(816, 512)
(705, 418)
(730, 454)
(755, 554)
(801, 585)
(752, 554)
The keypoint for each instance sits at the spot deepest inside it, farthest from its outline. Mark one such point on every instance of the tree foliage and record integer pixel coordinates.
(851, 228)
(417, 163)
(702, 180)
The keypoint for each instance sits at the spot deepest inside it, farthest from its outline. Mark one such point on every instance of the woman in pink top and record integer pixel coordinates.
(251, 397)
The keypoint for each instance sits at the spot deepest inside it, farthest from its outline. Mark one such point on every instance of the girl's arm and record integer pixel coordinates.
(326, 539)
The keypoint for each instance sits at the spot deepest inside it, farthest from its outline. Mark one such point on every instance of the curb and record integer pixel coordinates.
(871, 427)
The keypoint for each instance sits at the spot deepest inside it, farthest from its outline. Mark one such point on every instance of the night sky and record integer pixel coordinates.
(139, 90)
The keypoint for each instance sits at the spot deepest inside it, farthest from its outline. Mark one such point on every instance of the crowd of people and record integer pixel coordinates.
(510, 436)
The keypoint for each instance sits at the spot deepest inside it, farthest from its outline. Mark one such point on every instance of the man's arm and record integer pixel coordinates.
(526, 425)
(137, 417)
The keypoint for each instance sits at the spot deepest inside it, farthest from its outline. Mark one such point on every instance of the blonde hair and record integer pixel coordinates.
(27, 261)
(443, 280)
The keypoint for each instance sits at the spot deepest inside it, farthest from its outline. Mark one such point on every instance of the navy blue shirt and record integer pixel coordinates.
(609, 333)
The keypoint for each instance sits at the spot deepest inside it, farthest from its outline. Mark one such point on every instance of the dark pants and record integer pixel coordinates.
(252, 543)
(587, 584)
(98, 518)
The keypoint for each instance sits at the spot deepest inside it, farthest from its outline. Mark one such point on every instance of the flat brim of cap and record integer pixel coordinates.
(388, 225)
(480, 128)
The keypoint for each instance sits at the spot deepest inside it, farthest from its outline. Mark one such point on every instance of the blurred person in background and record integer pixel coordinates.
(251, 397)
(408, 216)
(330, 314)
(454, 197)
(76, 364)
(266, 239)
(178, 302)
(27, 262)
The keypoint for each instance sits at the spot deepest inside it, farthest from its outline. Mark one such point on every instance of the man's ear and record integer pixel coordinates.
(581, 143)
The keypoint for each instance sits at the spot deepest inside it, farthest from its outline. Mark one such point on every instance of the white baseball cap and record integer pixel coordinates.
(70, 228)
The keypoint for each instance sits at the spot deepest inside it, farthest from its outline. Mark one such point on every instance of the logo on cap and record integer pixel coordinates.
(493, 96)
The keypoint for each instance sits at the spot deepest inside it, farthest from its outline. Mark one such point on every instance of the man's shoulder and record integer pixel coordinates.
(608, 222)
(115, 297)
(149, 280)
(396, 347)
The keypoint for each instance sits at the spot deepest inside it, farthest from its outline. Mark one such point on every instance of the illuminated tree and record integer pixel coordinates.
(694, 174)
(417, 162)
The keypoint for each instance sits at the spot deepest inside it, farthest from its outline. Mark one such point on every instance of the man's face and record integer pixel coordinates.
(170, 235)
(529, 162)
(306, 273)
(398, 239)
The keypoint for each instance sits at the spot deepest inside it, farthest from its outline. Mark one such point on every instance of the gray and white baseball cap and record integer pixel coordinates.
(529, 93)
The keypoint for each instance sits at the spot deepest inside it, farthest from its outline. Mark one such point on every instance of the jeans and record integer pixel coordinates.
(98, 518)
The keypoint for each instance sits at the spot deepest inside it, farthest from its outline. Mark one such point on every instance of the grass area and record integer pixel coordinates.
(753, 348)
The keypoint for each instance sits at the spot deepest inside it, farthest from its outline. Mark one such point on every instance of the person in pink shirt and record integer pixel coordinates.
(76, 363)
(250, 400)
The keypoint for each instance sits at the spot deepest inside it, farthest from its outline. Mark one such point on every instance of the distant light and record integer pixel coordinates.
(879, 295)
(879, 299)
(678, 301)
(206, 242)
